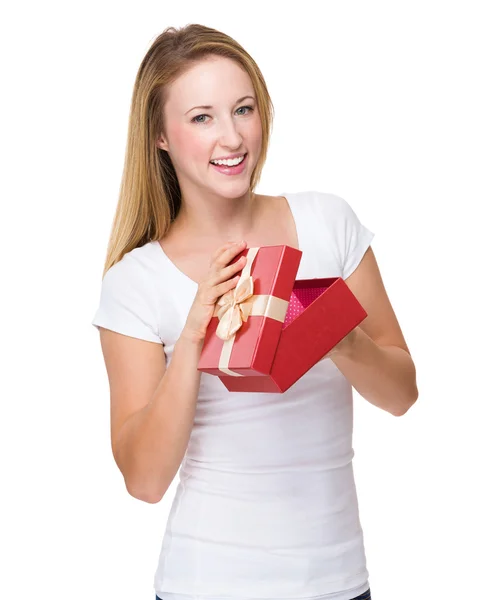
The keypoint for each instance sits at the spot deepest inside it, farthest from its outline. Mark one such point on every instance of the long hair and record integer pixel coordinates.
(150, 197)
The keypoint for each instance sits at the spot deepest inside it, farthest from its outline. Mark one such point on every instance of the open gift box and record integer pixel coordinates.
(271, 329)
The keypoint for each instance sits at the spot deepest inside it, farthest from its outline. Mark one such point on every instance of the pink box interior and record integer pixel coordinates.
(303, 294)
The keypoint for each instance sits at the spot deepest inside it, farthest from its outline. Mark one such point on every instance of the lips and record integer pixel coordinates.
(236, 170)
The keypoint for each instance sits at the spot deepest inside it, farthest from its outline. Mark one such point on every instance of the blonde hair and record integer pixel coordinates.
(150, 196)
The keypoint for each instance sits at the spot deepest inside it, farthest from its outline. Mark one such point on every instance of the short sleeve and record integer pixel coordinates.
(357, 239)
(127, 302)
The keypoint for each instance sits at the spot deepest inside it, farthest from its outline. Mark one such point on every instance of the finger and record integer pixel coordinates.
(219, 251)
(227, 254)
(225, 286)
(210, 294)
(221, 275)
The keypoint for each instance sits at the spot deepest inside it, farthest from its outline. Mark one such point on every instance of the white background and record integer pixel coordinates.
(392, 105)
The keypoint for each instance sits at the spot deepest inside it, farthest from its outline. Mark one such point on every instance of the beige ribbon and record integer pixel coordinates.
(240, 303)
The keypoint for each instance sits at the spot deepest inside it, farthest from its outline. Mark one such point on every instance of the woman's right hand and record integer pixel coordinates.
(220, 279)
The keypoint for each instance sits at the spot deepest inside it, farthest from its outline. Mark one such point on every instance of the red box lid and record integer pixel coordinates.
(328, 313)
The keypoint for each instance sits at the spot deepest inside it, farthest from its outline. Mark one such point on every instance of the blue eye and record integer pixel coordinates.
(195, 119)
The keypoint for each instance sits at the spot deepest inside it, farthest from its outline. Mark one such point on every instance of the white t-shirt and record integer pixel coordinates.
(266, 505)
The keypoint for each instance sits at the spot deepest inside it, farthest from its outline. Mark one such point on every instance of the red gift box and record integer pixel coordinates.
(270, 271)
(266, 338)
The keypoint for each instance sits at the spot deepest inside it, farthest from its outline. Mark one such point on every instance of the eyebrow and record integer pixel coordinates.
(206, 107)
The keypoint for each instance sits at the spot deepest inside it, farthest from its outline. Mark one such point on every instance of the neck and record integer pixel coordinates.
(217, 218)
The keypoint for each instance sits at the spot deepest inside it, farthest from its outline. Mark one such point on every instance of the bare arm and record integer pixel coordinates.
(152, 441)
(153, 408)
(374, 357)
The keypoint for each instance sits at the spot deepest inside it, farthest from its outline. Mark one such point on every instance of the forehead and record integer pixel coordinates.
(210, 81)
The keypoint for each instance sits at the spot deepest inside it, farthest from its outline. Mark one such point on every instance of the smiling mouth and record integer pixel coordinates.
(243, 156)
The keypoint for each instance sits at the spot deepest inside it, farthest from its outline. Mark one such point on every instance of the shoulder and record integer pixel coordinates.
(129, 301)
(136, 265)
(134, 276)
(330, 202)
(319, 200)
(336, 225)
(331, 210)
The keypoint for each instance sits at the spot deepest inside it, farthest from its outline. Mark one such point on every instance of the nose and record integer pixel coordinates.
(229, 135)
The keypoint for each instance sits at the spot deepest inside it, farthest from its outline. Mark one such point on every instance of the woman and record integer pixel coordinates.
(266, 506)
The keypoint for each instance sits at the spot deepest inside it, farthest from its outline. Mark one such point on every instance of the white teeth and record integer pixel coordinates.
(228, 163)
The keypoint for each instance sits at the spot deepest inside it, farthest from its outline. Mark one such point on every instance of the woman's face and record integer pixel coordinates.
(195, 136)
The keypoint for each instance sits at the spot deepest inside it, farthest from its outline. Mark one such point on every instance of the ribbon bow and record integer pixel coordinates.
(235, 307)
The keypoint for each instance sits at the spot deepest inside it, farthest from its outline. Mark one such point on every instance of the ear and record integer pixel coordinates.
(161, 143)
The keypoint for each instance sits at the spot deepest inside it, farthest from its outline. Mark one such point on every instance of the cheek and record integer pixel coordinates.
(189, 144)
(255, 136)
(254, 131)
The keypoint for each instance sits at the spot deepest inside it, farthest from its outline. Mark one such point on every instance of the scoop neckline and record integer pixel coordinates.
(286, 195)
